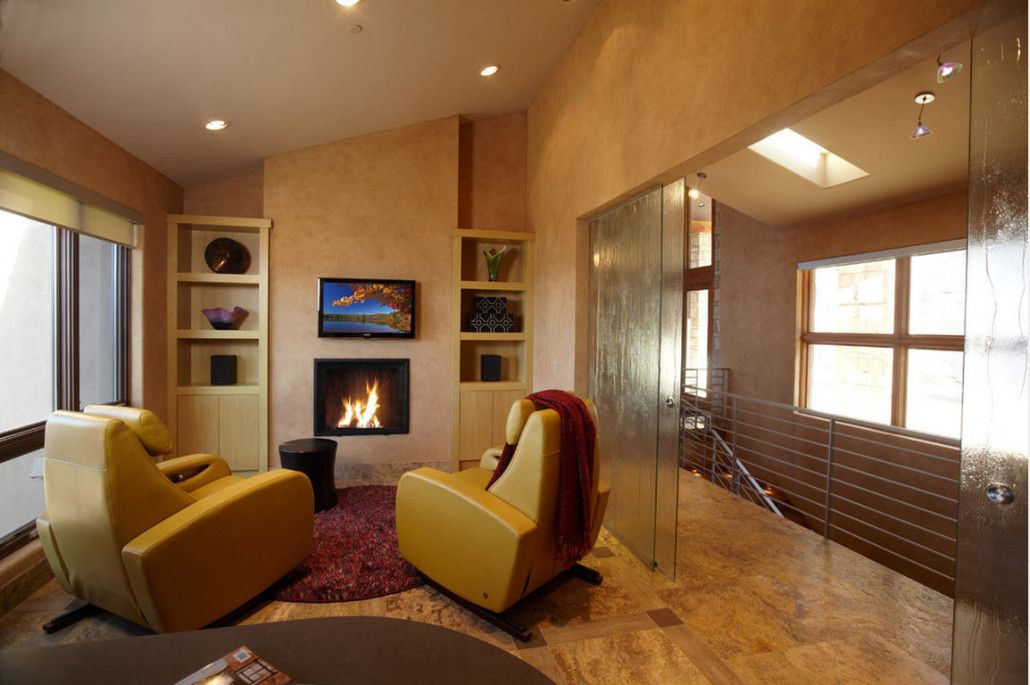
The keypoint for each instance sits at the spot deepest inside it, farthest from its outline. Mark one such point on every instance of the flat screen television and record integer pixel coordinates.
(366, 308)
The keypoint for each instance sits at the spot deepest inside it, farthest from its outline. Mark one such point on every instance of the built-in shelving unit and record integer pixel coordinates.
(481, 407)
(228, 420)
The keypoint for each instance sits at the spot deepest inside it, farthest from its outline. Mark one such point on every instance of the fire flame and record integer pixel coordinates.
(358, 414)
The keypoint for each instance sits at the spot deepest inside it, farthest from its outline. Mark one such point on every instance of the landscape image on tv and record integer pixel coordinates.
(361, 308)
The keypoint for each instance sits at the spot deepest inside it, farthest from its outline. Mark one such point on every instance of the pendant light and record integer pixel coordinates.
(695, 192)
(921, 99)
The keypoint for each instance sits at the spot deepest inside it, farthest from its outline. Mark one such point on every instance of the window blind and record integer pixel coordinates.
(42, 203)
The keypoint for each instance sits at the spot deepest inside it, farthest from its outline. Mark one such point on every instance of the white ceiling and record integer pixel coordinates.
(287, 73)
(870, 130)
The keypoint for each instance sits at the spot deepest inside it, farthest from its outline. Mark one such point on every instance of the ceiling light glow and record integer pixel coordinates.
(793, 145)
(807, 158)
(347, 3)
(489, 70)
(216, 125)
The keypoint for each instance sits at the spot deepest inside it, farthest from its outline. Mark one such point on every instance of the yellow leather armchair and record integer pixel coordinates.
(491, 547)
(172, 545)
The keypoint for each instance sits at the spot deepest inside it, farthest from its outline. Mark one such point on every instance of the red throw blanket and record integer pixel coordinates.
(575, 472)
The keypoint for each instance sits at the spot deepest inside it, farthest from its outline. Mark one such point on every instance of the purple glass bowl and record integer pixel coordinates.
(224, 320)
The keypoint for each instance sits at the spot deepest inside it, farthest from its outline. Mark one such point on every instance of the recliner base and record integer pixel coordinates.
(500, 620)
(72, 614)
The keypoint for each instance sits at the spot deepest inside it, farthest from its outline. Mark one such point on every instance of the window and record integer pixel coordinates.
(699, 295)
(63, 344)
(881, 337)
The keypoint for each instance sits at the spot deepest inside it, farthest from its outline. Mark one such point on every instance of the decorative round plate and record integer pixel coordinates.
(226, 256)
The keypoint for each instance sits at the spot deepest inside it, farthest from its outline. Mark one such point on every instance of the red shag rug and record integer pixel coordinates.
(354, 554)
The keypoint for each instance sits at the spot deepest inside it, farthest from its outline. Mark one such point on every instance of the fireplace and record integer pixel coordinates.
(361, 396)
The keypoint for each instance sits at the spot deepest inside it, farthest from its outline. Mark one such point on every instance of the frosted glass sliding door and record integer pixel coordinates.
(636, 319)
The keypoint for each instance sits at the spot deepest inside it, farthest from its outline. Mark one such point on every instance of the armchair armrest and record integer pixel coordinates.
(464, 538)
(212, 556)
(194, 471)
(490, 457)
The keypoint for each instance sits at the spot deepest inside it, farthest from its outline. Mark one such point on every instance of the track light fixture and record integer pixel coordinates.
(922, 99)
(947, 70)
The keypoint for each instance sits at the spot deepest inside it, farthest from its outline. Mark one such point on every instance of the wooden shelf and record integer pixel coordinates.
(492, 385)
(480, 408)
(217, 335)
(493, 337)
(237, 389)
(228, 420)
(498, 236)
(239, 223)
(221, 279)
(508, 286)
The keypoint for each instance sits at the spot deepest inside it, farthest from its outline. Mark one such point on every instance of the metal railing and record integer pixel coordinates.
(722, 466)
(886, 492)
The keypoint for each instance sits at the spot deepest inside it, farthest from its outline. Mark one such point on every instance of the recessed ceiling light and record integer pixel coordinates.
(489, 70)
(355, 28)
(347, 3)
(216, 125)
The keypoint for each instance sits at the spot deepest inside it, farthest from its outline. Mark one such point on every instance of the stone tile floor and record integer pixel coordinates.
(756, 599)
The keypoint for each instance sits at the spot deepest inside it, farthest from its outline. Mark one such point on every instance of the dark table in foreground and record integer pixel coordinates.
(349, 649)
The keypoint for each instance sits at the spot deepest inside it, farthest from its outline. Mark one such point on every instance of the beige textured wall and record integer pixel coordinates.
(38, 132)
(376, 206)
(650, 85)
(241, 195)
(758, 291)
(492, 175)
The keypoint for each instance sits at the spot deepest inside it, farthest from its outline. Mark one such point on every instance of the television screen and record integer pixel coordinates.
(365, 308)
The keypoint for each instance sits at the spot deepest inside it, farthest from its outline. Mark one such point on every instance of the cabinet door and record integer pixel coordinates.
(197, 425)
(238, 431)
(475, 423)
(503, 400)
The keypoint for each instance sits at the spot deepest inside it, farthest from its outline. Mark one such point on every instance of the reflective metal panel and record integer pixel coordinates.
(990, 635)
(670, 378)
(626, 248)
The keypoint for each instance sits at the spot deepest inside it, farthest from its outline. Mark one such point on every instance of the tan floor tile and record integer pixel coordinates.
(645, 656)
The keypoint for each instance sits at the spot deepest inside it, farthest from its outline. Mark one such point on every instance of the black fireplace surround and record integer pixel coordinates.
(343, 382)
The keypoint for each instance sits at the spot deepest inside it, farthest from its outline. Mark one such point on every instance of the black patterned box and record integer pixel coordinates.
(490, 315)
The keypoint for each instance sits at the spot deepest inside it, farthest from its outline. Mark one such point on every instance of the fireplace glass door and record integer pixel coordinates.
(361, 396)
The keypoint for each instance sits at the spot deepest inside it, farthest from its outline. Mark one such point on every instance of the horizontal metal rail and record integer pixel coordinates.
(843, 420)
(810, 462)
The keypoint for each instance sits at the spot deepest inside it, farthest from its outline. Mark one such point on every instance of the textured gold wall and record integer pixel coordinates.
(650, 85)
(37, 131)
(492, 174)
(377, 206)
(242, 195)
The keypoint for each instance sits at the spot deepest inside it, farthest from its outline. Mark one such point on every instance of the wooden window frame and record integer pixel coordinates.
(23, 440)
(900, 341)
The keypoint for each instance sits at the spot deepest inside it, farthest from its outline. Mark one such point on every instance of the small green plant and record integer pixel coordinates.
(493, 261)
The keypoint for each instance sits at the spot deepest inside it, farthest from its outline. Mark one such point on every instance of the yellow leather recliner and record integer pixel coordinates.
(121, 535)
(492, 547)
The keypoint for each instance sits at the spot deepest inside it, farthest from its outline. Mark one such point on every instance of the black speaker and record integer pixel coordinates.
(490, 367)
(223, 369)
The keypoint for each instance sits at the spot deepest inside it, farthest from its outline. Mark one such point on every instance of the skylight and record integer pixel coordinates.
(806, 158)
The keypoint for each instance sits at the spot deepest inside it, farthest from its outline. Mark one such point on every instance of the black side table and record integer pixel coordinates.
(315, 458)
